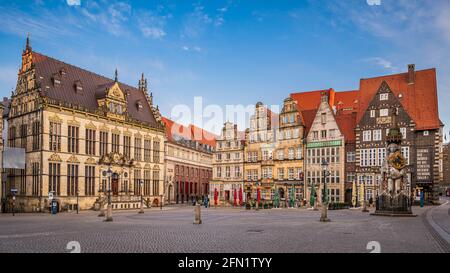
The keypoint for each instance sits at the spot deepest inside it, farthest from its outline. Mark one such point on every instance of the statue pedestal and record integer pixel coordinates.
(393, 206)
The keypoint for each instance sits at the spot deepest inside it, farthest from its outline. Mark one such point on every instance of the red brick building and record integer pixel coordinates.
(188, 161)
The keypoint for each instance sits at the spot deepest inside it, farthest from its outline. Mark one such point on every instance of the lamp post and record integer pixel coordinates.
(323, 217)
(364, 206)
(141, 183)
(78, 194)
(109, 208)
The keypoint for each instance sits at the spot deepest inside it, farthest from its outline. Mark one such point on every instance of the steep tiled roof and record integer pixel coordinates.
(347, 124)
(191, 132)
(47, 67)
(418, 99)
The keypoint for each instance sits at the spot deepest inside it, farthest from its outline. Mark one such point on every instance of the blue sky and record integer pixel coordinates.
(232, 52)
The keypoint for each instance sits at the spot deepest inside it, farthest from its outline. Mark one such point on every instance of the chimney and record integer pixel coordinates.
(324, 96)
(411, 73)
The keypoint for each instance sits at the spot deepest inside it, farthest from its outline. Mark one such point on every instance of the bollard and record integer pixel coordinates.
(323, 216)
(198, 218)
(109, 214)
(364, 208)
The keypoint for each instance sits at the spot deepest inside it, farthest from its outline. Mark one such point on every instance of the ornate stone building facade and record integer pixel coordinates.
(188, 160)
(409, 101)
(325, 142)
(364, 116)
(228, 166)
(75, 125)
(259, 149)
(289, 153)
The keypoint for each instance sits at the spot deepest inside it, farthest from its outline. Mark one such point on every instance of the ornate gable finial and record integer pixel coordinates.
(116, 76)
(28, 47)
(143, 83)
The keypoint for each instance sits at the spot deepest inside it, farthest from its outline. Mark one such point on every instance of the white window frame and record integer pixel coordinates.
(384, 96)
(384, 112)
(367, 135)
(403, 131)
(377, 135)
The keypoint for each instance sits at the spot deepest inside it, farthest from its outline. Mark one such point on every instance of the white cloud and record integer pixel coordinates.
(414, 32)
(383, 63)
(197, 22)
(74, 2)
(113, 18)
(152, 25)
(194, 48)
(153, 32)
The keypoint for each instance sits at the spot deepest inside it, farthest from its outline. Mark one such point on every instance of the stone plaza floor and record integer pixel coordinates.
(227, 230)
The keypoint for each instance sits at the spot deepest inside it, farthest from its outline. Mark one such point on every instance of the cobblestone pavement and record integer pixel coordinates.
(223, 230)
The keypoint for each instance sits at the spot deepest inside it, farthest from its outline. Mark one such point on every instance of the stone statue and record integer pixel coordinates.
(394, 199)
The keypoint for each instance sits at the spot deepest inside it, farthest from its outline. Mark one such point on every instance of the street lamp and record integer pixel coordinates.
(109, 208)
(364, 206)
(78, 193)
(323, 217)
(141, 183)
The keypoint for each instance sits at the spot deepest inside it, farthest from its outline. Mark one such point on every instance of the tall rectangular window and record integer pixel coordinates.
(90, 142)
(403, 131)
(55, 136)
(36, 131)
(291, 153)
(405, 153)
(367, 135)
(72, 179)
(280, 174)
(12, 136)
(89, 177)
(290, 173)
(323, 118)
(115, 143)
(54, 178)
(147, 150)
(377, 135)
(351, 157)
(137, 149)
(127, 146)
(36, 178)
(155, 183)
(103, 143)
(72, 139)
(237, 172)
(227, 171)
(156, 150)
(23, 135)
(147, 182)
(23, 181)
(137, 181)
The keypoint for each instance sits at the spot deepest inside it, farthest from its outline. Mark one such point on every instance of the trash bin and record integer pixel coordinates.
(54, 206)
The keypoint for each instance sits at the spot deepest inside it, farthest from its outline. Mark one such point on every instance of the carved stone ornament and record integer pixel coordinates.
(55, 157)
(73, 159)
(90, 161)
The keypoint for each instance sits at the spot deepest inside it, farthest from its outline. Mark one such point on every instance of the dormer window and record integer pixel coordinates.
(78, 87)
(56, 79)
(139, 105)
(62, 71)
